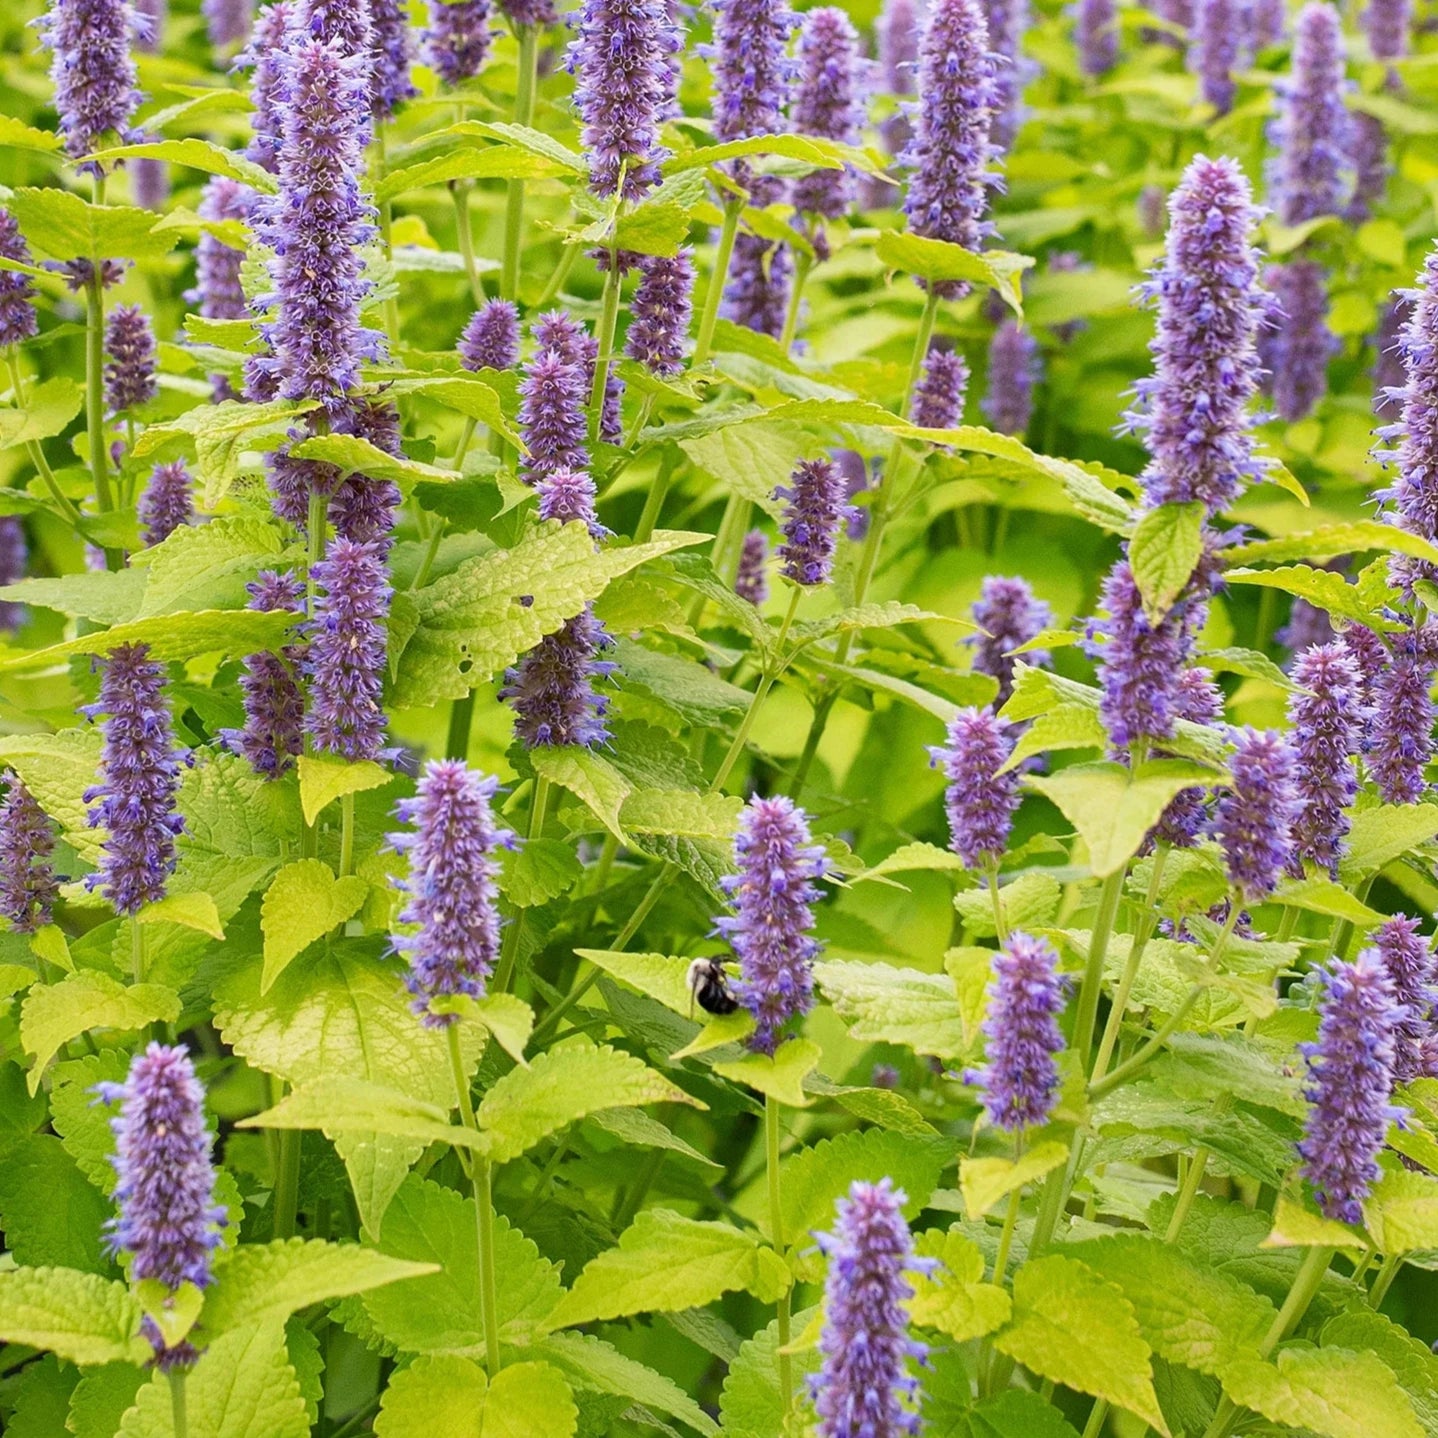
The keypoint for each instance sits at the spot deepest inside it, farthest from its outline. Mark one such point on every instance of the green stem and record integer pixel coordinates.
(567, 257)
(761, 691)
(640, 420)
(1001, 927)
(179, 1419)
(717, 279)
(461, 718)
(32, 447)
(638, 1191)
(1148, 922)
(1086, 1016)
(608, 323)
(654, 501)
(1156, 1042)
(869, 554)
(287, 1183)
(484, 1211)
(95, 390)
(459, 193)
(514, 201)
(347, 835)
(315, 523)
(803, 264)
(1096, 1416)
(776, 1236)
(1383, 1279)
(1006, 1238)
(514, 934)
(1186, 1195)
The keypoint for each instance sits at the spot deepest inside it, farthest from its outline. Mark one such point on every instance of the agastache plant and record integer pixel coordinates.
(168, 1223)
(28, 886)
(273, 732)
(14, 560)
(864, 1385)
(773, 894)
(1254, 820)
(1014, 368)
(948, 158)
(1139, 663)
(751, 582)
(1096, 36)
(828, 102)
(167, 502)
(942, 388)
(18, 321)
(1008, 616)
(1214, 46)
(815, 503)
(93, 72)
(1008, 22)
(491, 337)
(265, 56)
(660, 312)
(451, 938)
(458, 39)
(1401, 736)
(134, 800)
(981, 801)
(1198, 700)
(344, 662)
(1326, 714)
(1413, 972)
(1350, 1083)
(130, 359)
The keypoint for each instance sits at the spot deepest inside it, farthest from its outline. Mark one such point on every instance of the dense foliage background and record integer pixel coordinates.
(584, 1239)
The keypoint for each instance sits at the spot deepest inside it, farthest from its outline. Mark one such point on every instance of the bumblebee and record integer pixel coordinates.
(709, 987)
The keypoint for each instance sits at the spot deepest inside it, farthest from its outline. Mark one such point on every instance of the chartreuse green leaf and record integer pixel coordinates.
(1113, 807)
(1295, 1226)
(884, 1004)
(452, 1397)
(1320, 587)
(197, 154)
(53, 1014)
(49, 408)
(751, 1404)
(172, 636)
(954, 1298)
(480, 618)
(84, 1125)
(665, 1263)
(496, 162)
(1334, 1392)
(820, 153)
(57, 769)
(589, 776)
(1401, 1213)
(1163, 553)
(244, 1386)
(266, 1282)
(440, 1312)
(1351, 537)
(341, 1106)
(303, 903)
(20, 136)
(939, 260)
(327, 777)
(344, 1015)
(79, 1316)
(1380, 835)
(188, 910)
(353, 454)
(562, 1086)
(49, 1212)
(60, 224)
(207, 566)
(987, 1181)
(101, 1399)
(1075, 1327)
(779, 1075)
(1412, 1361)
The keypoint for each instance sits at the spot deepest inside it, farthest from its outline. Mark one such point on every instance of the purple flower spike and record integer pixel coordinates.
(863, 1388)
(1138, 665)
(626, 61)
(1311, 130)
(362, 508)
(28, 887)
(1014, 368)
(273, 735)
(1009, 615)
(660, 312)
(828, 103)
(949, 156)
(491, 338)
(552, 400)
(1214, 47)
(533, 13)
(752, 72)
(393, 56)
(166, 503)
(457, 42)
(1194, 409)
(134, 802)
(898, 41)
(1307, 625)
(1389, 27)
(1255, 818)
(451, 886)
(816, 503)
(14, 559)
(1297, 350)
(1200, 701)
(757, 295)
(1008, 25)
(217, 266)
(1368, 156)
(265, 57)
(346, 659)
(568, 494)
(1326, 715)
(318, 225)
(942, 388)
(93, 73)
(1414, 494)
(1026, 996)
(228, 21)
(1402, 732)
(981, 802)
(771, 931)
(130, 359)
(1096, 36)
(551, 689)
(149, 183)
(1350, 1082)
(1413, 972)
(168, 1220)
(751, 582)
(17, 291)
(1266, 22)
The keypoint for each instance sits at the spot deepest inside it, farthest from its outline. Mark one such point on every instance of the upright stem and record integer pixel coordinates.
(484, 1210)
(567, 257)
(509, 954)
(803, 264)
(32, 448)
(654, 501)
(315, 522)
(705, 338)
(95, 389)
(766, 681)
(1147, 923)
(347, 834)
(528, 37)
(459, 193)
(776, 1235)
(1001, 927)
(179, 1418)
(287, 1183)
(1006, 1238)
(1086, 1015)
(608, 322)
(1383, 1279)
(461, 717)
